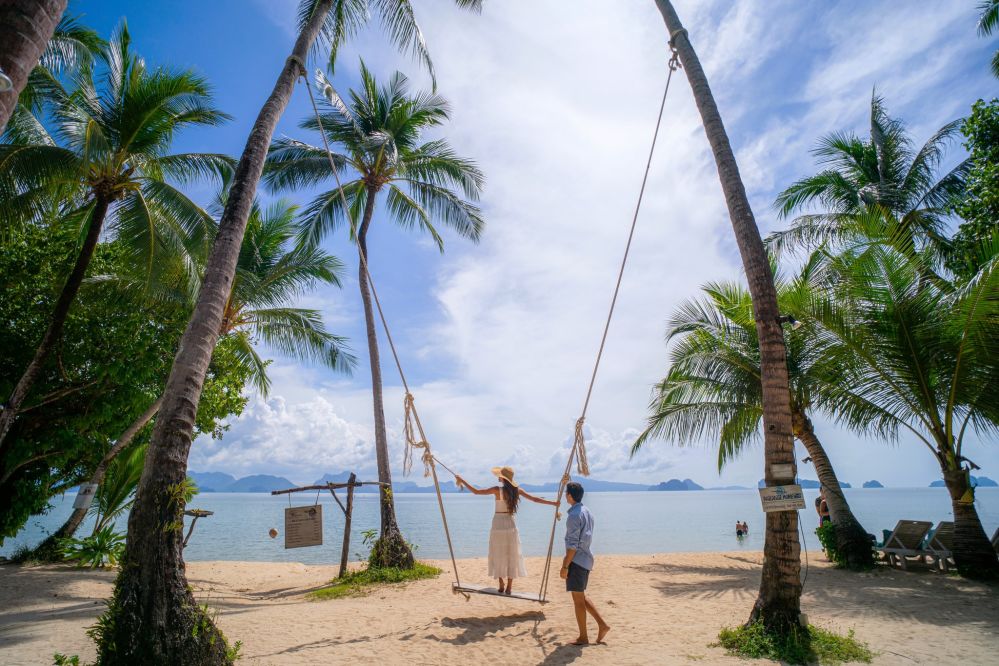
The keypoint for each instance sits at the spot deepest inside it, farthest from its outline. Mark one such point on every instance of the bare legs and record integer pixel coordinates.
(505, 589)
(582, 606)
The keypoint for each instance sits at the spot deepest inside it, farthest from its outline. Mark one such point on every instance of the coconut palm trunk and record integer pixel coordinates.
(47, 549)
(852, 539)
(59, 314)
(391, 550)
(27, 27)
(778, 603)
(973, 553)
(153, 617)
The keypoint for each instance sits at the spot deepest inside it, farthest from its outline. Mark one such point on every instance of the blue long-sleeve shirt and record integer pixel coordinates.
(579, 535)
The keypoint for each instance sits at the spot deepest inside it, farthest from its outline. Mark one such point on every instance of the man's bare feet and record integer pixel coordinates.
(582, 640)
(601, 633)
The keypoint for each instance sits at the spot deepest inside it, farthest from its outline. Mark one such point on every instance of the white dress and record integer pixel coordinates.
(505, 560)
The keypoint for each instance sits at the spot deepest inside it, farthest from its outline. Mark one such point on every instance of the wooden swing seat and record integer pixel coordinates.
(492, 591)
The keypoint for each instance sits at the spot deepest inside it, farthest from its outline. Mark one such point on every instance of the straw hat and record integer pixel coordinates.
(505, 473)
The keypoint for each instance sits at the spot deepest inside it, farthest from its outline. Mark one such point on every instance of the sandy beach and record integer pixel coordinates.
(664, 609)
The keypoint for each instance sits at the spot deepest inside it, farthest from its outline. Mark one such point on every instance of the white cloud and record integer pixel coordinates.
(558, 107)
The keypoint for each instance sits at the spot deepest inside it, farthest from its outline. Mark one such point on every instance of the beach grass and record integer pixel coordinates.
(807, 646)
(360, 583)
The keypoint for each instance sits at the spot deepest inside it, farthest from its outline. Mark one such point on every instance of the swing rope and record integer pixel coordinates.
(578, 450)
(413, 428)
(412, 415)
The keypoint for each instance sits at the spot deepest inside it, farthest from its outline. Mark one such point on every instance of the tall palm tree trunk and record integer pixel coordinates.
(47, 550)
(153, 617)
(778, 603)
(973, 553)
(391, 549)
(58, 319)
(27, 27)
(852, 539)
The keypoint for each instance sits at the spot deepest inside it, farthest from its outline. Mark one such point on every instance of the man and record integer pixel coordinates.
(578, 561)
(822, 507)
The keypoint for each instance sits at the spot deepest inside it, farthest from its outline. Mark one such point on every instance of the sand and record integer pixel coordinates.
(664, 609)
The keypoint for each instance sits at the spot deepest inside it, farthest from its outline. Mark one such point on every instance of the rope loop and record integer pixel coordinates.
(412, 443)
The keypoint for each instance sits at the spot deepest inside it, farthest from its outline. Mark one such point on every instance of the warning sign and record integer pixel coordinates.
(85, 495)
(782, 498)
(303, 526)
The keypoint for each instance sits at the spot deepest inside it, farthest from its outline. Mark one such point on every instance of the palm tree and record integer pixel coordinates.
(27, 26)
(379, 132)
(987, 23)
(903, 356)
(157, 620)
(876, 189)
(713, 389)
(778, 605)
(114, 162)
(269, 276)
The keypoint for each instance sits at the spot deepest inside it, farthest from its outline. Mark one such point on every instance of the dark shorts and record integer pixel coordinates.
(826, 519)
(577, 578)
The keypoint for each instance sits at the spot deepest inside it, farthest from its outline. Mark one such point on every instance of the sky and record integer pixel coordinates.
(557, 106)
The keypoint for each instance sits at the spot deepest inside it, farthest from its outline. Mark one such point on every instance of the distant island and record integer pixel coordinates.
(976, 481)
(873, 484)
(220, 482)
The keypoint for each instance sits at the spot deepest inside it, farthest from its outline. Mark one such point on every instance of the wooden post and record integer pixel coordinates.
(346, 525)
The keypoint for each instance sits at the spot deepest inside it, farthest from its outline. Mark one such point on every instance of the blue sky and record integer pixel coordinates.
(558, 106)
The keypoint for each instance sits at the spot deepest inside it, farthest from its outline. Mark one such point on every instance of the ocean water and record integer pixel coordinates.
(626, 522)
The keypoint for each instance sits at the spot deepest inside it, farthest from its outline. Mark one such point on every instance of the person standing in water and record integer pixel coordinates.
(505, 560)
(578, 562)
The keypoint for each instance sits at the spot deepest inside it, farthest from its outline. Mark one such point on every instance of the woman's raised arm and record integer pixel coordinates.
(538, 500)
(475, 491)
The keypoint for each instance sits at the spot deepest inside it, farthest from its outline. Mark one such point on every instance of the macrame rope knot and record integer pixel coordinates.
(409, 430)
(582, 464)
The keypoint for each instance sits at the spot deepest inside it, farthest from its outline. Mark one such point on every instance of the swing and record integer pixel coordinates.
(412, 424)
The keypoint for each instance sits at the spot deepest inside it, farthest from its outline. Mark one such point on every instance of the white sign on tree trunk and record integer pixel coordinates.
(85, 495)
(303, 526)
(782, 498)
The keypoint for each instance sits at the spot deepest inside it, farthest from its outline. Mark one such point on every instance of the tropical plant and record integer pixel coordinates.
(778, 605)
(115, 493)
(153, 616)
(713, 389)
(28, 25)
(902, 356)
(987, 22)
(384, 156)
(979, 208)
(879, 189)
(269, 275)
(103, 548)
(114, 162)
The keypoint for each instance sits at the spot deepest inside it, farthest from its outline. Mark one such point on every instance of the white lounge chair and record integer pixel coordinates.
(940, 544)
(905, 542)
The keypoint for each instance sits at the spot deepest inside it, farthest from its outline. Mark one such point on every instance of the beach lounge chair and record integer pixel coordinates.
(940, 544)
(905, 542)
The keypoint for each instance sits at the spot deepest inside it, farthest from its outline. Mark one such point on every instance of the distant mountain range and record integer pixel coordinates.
(873, 484)
(219, 482)
(977, 481)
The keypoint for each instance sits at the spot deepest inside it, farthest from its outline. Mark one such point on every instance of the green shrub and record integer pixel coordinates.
(103, 548)
(359, 583)
(801, 646)
(827, 537)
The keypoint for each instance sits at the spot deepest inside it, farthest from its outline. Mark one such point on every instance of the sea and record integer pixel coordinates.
(625, 522)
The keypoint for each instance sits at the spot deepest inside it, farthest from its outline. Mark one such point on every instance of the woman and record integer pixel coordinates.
(505, 561)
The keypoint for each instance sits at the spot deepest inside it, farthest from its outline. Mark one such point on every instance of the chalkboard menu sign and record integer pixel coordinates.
(303, 526)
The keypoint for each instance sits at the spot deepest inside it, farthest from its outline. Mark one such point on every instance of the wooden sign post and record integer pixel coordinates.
(782, 498)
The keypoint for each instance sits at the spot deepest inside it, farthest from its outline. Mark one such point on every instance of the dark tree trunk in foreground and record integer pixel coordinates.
(59, 314)
(47, 550)
(27, 27)
(852, 539)
(973, 553)
(778, 604)
(153, 617)
(391, 549)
